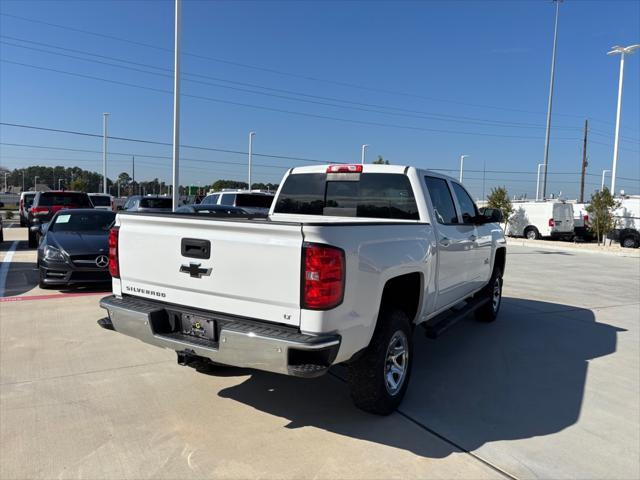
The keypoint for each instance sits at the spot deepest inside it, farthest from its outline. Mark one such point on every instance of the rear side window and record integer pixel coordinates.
(49, 199)
(374, 195)
(28, 200)
(101, 201)
(156, 203)
(227, 199)
(467, 206)
(442, 200)
(256, 201)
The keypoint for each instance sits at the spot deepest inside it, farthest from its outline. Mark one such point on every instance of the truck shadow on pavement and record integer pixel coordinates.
(519, 377)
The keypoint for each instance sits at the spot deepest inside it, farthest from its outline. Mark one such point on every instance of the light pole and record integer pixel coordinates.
(622, 51)
(5, 181)
(550, 103)
(462, 157)
(23, 180)
(604, 172)
(59, 180)
(176, 107)
(364, 151)
(538, 180)
(105, 117)
(251, 135)
(35, 183)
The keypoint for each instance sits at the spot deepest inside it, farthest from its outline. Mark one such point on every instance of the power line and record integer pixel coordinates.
(279, 110)
(354, 105)
(275, 71)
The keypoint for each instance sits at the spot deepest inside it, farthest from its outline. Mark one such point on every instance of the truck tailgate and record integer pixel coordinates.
(254, 265)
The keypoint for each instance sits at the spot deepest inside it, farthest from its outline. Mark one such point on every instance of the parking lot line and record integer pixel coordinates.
(4, 267)
(26, 298)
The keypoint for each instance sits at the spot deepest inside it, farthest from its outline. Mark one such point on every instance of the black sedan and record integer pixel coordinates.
(74, 248)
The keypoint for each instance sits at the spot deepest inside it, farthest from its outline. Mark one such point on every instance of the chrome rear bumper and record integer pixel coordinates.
(239, 342)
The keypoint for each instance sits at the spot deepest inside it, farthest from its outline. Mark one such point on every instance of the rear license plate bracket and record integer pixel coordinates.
(198, 326)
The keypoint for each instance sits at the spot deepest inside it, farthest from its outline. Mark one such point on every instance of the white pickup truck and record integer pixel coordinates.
(349, 260)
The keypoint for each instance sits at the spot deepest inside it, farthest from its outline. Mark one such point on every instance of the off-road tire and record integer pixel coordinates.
(493, 290)
(367, 374)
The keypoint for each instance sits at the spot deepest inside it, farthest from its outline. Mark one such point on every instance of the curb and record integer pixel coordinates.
(520, 242)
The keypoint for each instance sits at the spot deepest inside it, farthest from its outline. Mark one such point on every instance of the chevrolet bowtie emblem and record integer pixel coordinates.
(194, 270)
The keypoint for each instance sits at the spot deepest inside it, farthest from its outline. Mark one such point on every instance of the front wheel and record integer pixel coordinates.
(489, 311)
(379, 378)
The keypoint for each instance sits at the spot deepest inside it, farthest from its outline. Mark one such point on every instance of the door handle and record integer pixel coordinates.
(473, 238)
(445, 242)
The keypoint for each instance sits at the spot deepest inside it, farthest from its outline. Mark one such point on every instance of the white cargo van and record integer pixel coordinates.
(582, 221)
(627, 217)
(534, 220)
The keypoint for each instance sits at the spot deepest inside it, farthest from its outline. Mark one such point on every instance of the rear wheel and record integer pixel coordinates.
(531, 233)
(489, 311)
(379, 378)
(629, 242)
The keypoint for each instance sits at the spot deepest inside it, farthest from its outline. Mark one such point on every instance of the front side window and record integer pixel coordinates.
(442, 201)
(467, 205)
(210, 200)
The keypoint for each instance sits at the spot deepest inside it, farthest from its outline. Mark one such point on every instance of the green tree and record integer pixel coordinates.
(79, 184)
(499, 198)
(380, 161)
(601, 212)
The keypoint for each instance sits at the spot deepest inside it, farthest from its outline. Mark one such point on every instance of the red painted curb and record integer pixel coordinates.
(50, 296)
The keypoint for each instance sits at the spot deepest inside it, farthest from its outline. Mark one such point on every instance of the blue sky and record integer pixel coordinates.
(421, 82)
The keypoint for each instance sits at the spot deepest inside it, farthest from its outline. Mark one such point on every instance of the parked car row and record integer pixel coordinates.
(564, 220)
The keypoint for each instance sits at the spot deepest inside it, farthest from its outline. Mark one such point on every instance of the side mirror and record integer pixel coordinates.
(35, 228)
(491, 215)
(119, 208)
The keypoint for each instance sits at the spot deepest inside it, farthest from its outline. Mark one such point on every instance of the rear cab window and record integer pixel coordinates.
(100, 200)
(366, 195)
(76, 199)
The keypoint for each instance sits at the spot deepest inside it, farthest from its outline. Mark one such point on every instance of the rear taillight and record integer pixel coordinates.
(114, 265)
(586, 219)
(551, 223)
(21, 205)
(322, 276)
(39, 210)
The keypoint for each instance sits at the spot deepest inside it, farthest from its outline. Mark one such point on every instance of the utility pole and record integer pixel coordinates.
(550, 104)
(363, 153)
(462, 157)
(622, 51)
(23, 180)
(251, 135)
(105, 117)
(133, 175)
(176, 107)
(584, 161)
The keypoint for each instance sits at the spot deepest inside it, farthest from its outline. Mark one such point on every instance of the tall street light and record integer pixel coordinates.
(251, 135)
(462, 157)
(538, 180)
(622, 51)
(364, 150)
(105, 117)
(35, 183)
(550, 103)
(604, 172)
(176, 107)
(5, 181)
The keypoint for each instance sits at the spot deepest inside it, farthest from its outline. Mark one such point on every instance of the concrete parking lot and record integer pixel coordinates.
(550, 390)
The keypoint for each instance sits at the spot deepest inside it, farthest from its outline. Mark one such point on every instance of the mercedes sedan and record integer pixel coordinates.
(74, 248)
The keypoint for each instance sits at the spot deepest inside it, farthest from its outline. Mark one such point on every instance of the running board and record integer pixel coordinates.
(440, 323)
